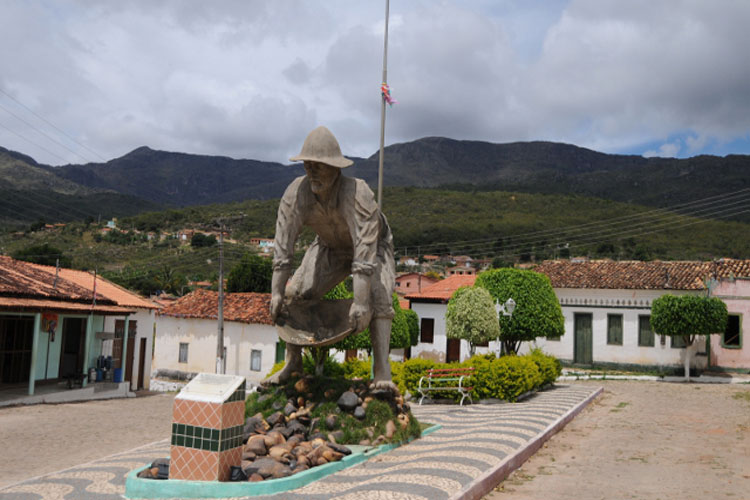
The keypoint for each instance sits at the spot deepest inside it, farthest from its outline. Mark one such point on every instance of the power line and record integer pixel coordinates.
(52, 125)
(33, 143)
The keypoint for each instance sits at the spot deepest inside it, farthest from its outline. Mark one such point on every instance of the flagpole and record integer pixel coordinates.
(382, 110)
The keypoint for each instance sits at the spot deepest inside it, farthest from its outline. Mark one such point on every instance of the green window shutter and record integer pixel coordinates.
(645, 334)
(614, 329)
(280, 351)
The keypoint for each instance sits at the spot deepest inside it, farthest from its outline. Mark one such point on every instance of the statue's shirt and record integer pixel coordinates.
(350, 222)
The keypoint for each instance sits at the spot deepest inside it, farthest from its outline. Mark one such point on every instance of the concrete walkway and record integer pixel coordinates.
(477, 447)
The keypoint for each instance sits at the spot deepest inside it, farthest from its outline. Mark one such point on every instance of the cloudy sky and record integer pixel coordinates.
(91, 80)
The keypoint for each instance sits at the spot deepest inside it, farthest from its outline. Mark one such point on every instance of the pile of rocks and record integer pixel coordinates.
(286, 442)
(289, 440)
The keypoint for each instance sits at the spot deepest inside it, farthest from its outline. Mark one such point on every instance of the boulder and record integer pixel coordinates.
(255, 478)
(331, 421)
(276, 418)
(359, 413)
(340, 448)
(257, 445)
(263, 466)
(302, 386)
(348, 401)
(289, 409)
(336, 436)
(390, 429)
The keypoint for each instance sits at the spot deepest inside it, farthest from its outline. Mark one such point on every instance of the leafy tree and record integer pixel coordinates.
(202, 240)
(412, 319)
(688, 316)
(43, 254)
(251, 274)
(433, 275)
(170, 280)
(537, 312)
(499, 263)
(471, 316)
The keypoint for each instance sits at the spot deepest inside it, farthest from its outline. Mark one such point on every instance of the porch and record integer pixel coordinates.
(58, 392)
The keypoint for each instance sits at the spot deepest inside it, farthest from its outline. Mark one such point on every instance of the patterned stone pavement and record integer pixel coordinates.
(476, 448)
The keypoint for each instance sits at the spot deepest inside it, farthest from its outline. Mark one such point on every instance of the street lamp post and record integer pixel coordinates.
(507, 310)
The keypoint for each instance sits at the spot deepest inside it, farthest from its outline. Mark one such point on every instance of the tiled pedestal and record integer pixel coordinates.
(206, 435)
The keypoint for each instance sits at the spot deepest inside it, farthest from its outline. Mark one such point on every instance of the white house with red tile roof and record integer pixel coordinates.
(607, 307)
(59, 321)
(430, 305)
(187, 332)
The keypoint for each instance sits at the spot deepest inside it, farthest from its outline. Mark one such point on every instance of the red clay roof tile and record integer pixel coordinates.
(240, 307)
(443, 289)
(654, 275)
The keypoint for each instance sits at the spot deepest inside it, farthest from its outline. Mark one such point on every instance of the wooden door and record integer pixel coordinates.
(583, 339)
(453, 350)
(71, 351)
(142, 365)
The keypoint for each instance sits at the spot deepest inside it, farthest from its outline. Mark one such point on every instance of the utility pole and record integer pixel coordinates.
(382, 110)
(220, 361)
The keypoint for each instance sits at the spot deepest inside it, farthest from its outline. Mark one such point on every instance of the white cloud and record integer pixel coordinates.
(250, 78)
(666, 150)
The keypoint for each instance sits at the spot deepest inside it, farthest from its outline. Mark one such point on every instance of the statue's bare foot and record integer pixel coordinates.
(281, 376)
(384, 385)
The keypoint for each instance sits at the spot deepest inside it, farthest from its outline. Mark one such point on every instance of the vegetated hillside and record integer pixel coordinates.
(182, 179)
(512, 227)
(554, 168)
(29, 192)
(534, 167)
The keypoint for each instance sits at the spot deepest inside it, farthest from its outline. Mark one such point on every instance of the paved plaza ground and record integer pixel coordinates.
(643, 440)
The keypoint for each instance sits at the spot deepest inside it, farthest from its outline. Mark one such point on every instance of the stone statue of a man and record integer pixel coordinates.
(353, 237)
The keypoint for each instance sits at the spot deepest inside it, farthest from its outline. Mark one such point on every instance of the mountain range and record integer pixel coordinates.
(147, 179)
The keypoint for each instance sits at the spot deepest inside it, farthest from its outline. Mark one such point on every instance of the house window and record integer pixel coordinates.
(732, 338)
(645, 335)
(183, 352)
(614, 329)
(678, 342)
(255, 355)
(280, 351)
(427, 330)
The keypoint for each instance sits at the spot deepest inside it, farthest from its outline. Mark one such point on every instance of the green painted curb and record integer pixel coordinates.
(136, 487)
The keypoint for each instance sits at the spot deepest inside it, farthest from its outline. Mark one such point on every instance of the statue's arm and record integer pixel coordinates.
(365, 229)
(288, 224)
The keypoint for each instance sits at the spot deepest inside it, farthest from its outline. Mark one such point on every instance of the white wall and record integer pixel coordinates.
(201, 335)
(597, 302)
(630, 304)
(145, 320)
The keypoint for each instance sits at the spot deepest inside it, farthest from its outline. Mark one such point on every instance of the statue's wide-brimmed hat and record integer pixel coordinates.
(321, 146)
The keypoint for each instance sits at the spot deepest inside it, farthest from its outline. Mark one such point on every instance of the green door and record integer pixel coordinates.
(583, 348)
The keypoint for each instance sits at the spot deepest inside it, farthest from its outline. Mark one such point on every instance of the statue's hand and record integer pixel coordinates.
(359, 317)
(276, 302)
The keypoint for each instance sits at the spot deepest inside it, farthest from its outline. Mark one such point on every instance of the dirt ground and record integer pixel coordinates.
(645, 440)
(638, 440)
(40, 439)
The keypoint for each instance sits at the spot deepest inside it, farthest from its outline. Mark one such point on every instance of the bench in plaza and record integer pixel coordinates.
(446, 379)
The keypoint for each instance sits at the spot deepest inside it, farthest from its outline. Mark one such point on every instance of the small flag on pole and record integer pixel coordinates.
(386, 91)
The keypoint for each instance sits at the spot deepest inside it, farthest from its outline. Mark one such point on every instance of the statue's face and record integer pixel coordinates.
(321, 176)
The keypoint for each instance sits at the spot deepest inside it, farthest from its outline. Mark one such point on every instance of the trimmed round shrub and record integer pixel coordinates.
(515, 375)
(549, 366)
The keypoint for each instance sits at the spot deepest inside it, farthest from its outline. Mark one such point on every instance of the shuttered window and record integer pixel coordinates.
(427, 330)
(614, 329)
(645, 334)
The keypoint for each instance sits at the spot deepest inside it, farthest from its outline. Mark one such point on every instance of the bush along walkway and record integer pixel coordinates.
(476, 448)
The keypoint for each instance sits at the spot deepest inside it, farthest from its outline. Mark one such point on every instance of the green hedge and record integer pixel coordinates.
(507, 377)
